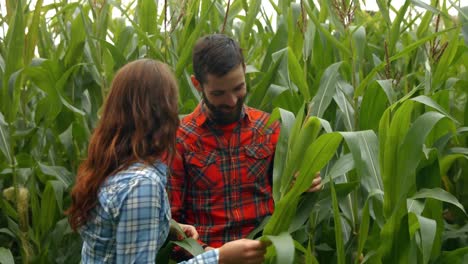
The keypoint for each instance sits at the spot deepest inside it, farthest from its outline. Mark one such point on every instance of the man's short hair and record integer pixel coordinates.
(215, 54)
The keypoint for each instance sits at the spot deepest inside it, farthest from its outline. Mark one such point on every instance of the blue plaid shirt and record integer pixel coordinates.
(131, 219)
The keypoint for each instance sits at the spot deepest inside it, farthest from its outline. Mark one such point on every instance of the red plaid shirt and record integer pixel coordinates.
(223, 186)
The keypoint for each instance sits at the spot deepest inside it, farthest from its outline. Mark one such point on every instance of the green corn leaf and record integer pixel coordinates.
(334, 16)
(123, 41)
(252, 11)
(296, 75)
(431, 103)
(326, 90)
(259, 91)
(392, 135)
(363, 230)
(48, 209)
(191, 245)
(102, 16)
(278, 42)
(164, 253)
(284, 247)
(372, 107)
(318, 154)
(259, 229)
(285, 209)
(463, 16)
(146, 11)
(58, 189)
(316, 157)
(62, 81)
(343, 190)
(294, 128)
(414, 206)
(77, 42)
(192, 11)
(5, 145)
(447, 161)
(304, 209)
(359, 42)
(327, 34)
(387, 87)
(395, 239)
(307, 135)
(309, 39)
(410, 152)
(14, 61)
(5, 256)
(396, 27)
(186, 54)
(48, 108)
(295, 35)
(117, 56)
(363, 85)
(447, 57)
(60, 173)
(457, 256)
(364, 147)
(342, 166)
(288, 99)
(71, 107)
(33, 32)
(427, 231)
(383, 8)
(281, 152)
(424, 24)
(340, 252)
(440, 195)
(309, 257)
(346, 107)
(143, 36)
(297, 127)
(427, 7)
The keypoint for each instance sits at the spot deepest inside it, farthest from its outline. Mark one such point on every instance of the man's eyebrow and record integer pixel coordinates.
(223, 91)
(239, 85)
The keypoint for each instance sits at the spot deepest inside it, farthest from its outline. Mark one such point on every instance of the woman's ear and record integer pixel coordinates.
(195, 83)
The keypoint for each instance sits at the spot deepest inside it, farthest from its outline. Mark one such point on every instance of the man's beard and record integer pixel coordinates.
(219, 116)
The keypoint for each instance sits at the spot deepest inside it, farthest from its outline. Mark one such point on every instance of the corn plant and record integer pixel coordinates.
(376, 101)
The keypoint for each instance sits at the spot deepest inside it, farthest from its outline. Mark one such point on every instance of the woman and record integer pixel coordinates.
(119, 202)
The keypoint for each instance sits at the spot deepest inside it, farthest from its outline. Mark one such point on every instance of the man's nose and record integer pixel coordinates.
(231, 100)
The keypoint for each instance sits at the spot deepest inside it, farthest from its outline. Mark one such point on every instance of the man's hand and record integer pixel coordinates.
(316, 183)
(242, 251)
(189, 230)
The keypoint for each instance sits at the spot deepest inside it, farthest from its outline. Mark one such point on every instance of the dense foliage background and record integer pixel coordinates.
(375, 100)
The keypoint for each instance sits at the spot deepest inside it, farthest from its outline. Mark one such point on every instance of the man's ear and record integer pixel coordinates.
(196, 83)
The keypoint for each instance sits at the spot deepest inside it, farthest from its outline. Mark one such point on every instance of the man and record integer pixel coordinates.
(222, 176)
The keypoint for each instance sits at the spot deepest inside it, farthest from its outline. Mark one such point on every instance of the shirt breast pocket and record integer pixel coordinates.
(258, 160)
(201, 166)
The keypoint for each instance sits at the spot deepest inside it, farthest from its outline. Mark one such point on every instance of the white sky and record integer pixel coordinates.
(369, 4)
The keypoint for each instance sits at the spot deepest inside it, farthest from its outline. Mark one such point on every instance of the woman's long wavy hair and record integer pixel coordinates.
(138, 123)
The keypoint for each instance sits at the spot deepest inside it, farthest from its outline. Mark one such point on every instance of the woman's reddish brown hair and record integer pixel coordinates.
(138, 123)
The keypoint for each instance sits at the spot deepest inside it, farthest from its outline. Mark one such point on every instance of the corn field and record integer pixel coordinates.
(375, 100)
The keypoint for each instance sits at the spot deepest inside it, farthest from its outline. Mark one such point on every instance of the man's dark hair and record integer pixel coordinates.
(215, 54)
